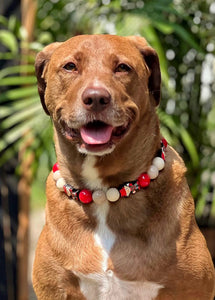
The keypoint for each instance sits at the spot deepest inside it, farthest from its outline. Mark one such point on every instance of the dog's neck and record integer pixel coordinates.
(125, 163)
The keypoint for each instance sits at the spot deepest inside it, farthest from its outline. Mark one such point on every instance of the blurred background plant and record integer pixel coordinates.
(183, 34)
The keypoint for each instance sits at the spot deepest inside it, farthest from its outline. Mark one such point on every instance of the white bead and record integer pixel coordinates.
(112, 194)
(153, 172)
(159, 163)
(109, 273)
(60, 183)
(99, 196)
(56, 175)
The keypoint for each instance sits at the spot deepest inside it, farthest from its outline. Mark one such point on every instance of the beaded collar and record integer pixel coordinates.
(113, 193)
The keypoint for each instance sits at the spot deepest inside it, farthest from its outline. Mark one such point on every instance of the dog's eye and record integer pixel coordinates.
(70, 67)
(122, 68)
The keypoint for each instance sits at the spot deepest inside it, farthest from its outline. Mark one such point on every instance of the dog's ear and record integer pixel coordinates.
(151, 58)
(41, 65)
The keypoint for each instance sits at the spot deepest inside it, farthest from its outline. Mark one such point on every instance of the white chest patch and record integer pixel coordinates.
(90, 173)
(104, 237)
(109, 287)
(105, 285)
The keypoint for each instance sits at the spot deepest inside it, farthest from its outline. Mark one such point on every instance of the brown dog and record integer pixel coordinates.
(101, 92)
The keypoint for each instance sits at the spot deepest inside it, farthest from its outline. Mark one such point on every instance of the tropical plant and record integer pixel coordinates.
(20, 111)
(22, 125)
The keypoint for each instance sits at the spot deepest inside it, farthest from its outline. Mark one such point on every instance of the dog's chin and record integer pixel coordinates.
(96, 138)
(98, 150)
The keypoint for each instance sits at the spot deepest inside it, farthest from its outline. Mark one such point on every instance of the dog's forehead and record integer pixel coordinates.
(94, 45)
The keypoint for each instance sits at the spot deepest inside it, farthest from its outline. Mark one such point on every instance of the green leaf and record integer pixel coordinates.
(164, 27)
(211, 119)
(19, 93)
(18, 80)
(184, 135)
(187, 37)
(9, 41)
(168, 121)
(3, 20)
(125, 29)
(16, 69)
(189, 145)
(201, 201)
(21, 115)
(15, 106)
(9, 153)
(14, 134)
(152, 37)
(8, 56)
(12, 21)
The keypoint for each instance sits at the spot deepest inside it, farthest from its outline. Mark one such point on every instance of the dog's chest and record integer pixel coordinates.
(105, 285)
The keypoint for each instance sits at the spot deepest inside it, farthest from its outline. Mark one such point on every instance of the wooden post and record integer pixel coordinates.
(24, 192)
(28, 11)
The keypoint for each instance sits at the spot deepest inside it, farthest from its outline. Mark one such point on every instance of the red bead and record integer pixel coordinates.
(143, 180)
(55, 167)
(85, 196)
(122, 192)
(163, 156)
(164, 141)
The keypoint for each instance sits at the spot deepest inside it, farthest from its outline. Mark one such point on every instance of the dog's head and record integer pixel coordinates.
(97, 88)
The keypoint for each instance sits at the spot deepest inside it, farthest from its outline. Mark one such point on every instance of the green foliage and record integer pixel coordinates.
(21, 116)
(8, 39)
(181, 32)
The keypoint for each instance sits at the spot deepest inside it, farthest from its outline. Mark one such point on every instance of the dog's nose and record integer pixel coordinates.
(96, 99)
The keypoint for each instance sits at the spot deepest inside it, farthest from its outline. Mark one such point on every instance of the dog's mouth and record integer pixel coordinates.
(98, 133)
(97, 136)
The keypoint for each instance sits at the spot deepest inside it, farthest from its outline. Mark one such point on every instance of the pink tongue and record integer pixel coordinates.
(96, 135)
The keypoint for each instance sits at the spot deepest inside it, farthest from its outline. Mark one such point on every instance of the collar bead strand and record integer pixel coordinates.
(113, 194)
